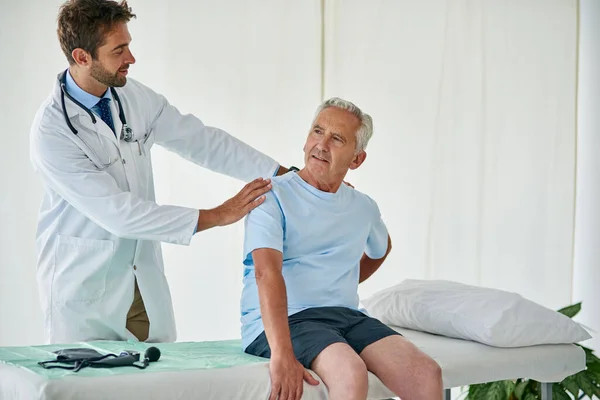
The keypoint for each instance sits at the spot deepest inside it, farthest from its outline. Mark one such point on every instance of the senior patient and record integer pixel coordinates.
(307, 247)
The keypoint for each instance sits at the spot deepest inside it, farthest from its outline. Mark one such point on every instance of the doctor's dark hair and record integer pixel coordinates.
(84, 23)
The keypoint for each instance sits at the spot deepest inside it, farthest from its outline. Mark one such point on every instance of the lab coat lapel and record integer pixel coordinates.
(105, 130)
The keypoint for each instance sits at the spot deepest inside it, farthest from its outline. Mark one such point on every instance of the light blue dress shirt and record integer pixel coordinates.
(85, 98)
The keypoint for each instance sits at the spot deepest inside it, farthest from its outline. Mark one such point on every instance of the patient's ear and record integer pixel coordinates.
(358, 160)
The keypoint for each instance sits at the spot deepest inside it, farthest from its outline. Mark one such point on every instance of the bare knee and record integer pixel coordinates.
(356, 375)
(404, 369)
(347, 378)
(351, 377)
(431, 371)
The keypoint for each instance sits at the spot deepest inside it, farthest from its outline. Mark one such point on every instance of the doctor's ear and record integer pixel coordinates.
(81, 57)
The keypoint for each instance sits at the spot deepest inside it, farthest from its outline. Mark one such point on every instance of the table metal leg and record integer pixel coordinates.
(447, 394)
(546, 391)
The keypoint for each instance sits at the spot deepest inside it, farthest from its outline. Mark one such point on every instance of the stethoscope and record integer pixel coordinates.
(126, 131)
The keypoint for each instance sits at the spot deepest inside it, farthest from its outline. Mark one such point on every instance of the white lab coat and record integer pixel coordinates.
(100, 227)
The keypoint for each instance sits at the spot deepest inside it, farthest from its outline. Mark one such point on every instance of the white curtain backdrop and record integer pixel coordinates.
(473, 156)
(30, 59)
(472, 162)
(586, 266)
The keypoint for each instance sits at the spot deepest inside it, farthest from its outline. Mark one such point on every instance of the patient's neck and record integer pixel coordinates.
(324, 184)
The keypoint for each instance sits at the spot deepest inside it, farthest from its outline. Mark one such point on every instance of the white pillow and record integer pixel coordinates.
(493, 317)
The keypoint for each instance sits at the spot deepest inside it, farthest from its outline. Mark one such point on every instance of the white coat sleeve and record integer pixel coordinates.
(67, 170)
(206, 146)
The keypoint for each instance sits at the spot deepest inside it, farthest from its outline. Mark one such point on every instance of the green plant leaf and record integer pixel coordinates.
(571, 311)
(530, 396)
(589, 353)
(591, 361)
(500, 390)
(520, 389)
(483, 392)
(534, 387)
(586, 384)
(593, 366)
(594, 381)
(570, 384)
(558, 393)
(478, 391)
(594, 376)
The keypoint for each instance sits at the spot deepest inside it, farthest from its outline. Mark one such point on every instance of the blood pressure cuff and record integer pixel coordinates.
(74, 359)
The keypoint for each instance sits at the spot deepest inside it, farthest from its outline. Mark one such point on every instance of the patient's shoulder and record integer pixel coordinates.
(282, 183)
(363, 199)
(278, 192)
(283, 179)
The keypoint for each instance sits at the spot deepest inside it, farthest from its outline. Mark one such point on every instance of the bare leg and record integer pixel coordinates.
(404, 369)
(343, 372)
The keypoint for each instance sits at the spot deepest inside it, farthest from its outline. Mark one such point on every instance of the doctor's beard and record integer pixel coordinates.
(104, 76)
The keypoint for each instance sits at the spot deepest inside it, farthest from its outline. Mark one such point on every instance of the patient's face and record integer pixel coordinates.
(331, 145)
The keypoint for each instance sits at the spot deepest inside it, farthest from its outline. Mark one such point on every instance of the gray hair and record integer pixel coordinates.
(364, 132)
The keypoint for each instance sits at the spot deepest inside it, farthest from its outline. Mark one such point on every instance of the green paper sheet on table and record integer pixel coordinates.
(174, 357)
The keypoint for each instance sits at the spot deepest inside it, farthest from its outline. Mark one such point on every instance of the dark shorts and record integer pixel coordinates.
(314, 329)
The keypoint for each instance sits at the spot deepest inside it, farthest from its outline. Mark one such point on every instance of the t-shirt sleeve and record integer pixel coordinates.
(377, 242)
(264, 228)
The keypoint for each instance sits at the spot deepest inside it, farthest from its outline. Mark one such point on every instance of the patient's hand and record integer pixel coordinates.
(287, 376)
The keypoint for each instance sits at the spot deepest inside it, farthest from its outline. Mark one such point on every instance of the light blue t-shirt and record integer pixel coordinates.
(322, 237)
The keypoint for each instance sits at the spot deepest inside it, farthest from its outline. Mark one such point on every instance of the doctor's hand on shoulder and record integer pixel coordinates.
(234, 209)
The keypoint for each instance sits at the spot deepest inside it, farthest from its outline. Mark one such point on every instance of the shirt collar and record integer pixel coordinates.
(85, 98)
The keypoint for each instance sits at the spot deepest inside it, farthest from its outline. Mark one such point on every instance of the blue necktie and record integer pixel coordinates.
(103, 109)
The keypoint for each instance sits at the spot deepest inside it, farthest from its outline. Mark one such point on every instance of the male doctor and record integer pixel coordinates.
(100, 267)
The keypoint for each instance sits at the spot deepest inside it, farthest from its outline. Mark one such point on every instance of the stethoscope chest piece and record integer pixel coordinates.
(126, 133)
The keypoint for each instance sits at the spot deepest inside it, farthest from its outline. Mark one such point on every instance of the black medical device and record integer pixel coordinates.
(78, 358)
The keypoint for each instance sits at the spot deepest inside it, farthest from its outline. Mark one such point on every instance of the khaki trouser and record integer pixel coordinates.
(137, 319)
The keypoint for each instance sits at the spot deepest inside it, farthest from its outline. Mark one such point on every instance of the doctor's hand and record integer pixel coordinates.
(234, 209)
(287, 376)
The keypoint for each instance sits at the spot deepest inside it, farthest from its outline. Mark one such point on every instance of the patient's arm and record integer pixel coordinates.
(286, 372)
(273, 299)
(368, 266)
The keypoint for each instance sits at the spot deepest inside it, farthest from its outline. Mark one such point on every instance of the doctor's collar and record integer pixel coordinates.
(87, 99)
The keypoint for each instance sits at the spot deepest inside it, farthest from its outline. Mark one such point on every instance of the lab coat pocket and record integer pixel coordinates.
(148, 139)
(81, 267)
(145, 144)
